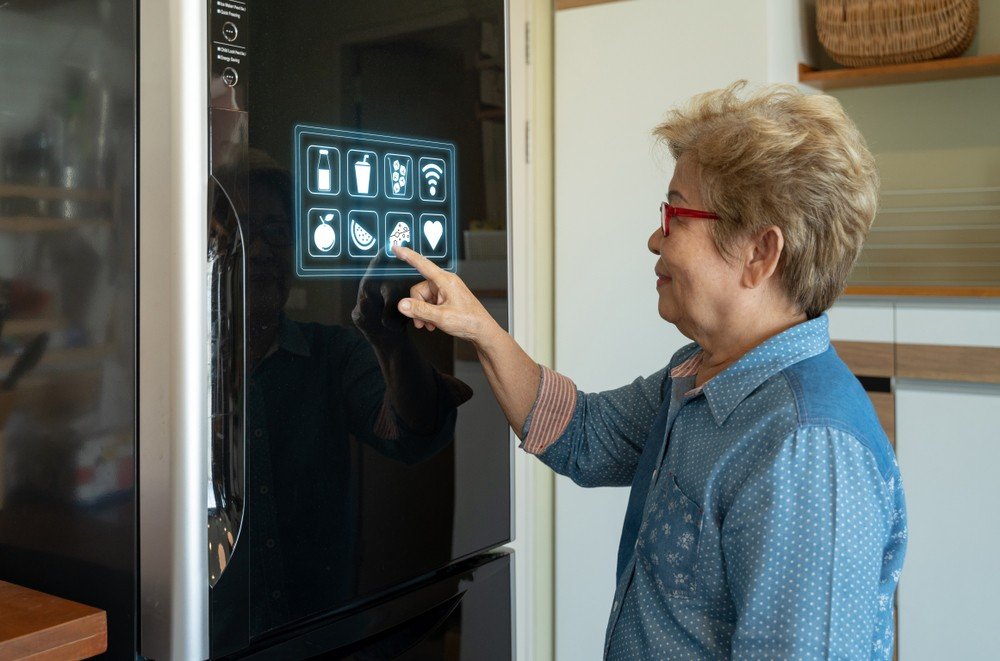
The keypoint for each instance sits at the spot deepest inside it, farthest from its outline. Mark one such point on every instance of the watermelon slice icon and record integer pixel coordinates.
(362, 238)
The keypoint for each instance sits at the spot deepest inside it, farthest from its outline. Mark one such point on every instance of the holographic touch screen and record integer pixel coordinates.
(361, 194)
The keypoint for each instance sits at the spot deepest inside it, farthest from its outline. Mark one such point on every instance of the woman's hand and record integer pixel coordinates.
(443, 301)
(375, 313)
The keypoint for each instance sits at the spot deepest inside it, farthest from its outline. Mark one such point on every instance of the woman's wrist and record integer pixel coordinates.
(490, 337)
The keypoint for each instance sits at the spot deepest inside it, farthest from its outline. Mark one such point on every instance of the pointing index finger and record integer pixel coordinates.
(424, 266)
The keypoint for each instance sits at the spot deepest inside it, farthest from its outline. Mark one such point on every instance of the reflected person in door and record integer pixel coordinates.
(311, 388)
(766, 517)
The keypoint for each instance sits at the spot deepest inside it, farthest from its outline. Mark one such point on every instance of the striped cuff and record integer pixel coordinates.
(385, 421)
(551, 413)
(689, 367)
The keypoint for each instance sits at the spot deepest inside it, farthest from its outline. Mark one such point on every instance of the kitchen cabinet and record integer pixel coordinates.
(942, 363)
(935, 134)
(937, 229)
(948, 450)
(948, 431)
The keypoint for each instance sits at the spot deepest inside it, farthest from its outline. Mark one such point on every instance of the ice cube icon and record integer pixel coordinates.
(396, 182)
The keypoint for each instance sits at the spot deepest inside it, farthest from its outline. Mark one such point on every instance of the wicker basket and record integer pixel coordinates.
(859, 33)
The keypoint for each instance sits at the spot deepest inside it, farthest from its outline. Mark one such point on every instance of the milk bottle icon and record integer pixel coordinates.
(324, 180)
(363, 175)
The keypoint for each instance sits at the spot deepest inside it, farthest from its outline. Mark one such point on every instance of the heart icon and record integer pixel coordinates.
(433, 229)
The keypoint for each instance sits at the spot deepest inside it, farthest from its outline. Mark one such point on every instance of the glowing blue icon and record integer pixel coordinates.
(323, 173)
(432, 173)
(362, 173)
(358, 196)
(399, 176)
(362, 227)
(432, 180)
(324, 170)
(433, 235)
(399, 231)
(324, 233)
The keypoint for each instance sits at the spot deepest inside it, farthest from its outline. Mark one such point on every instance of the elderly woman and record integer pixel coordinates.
(766, 517)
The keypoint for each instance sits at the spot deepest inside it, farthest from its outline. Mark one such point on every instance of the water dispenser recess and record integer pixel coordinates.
(372, 192)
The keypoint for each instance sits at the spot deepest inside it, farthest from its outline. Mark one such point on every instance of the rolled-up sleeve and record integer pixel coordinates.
(594, 439)
(803, 544)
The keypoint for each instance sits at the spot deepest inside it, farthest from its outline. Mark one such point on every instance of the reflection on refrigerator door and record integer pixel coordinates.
(351, 474)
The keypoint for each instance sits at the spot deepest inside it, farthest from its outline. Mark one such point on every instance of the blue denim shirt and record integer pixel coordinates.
(766, 517)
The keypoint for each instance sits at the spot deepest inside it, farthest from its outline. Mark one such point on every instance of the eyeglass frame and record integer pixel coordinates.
(668, 211)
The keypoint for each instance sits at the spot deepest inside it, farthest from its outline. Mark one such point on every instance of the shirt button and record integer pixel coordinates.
(264, 489)
(258, 433)
(276, 594)
(269, 543)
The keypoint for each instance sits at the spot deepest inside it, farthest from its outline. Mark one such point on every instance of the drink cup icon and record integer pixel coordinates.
(362, 175)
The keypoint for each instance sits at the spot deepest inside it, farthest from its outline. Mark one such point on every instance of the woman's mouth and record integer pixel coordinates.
(661, 279)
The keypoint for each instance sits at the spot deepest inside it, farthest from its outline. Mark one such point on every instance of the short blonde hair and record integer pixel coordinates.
(784, 158)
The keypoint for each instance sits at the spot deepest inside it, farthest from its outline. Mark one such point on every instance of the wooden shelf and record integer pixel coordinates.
(922, 291)
(33, 325)
(489, 63)
(31, 224)
(54, 193)
(490, 113)
(64, 359)
(572, 4)
(919, 72)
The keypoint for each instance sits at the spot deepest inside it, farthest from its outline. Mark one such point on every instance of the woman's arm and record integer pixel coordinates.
(594, 439)
(599, 440)
(443, 301)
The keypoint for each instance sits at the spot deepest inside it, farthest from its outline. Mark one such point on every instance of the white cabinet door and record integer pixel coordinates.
(856, 320)
(948, 447)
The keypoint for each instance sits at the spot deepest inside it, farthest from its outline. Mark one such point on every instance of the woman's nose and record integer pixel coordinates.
(654, 241)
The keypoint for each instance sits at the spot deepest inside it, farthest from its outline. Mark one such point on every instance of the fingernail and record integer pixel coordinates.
(405, 305)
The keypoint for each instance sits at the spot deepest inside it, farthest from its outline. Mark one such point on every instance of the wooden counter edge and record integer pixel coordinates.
(65, 629)
(83, 648)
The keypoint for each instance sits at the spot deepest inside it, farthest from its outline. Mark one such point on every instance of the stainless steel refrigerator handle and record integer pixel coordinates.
(226, 449)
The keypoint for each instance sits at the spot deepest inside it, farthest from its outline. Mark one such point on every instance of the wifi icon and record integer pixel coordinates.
(432, 179)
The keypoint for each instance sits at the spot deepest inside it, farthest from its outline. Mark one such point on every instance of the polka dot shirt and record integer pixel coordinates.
(766, 517)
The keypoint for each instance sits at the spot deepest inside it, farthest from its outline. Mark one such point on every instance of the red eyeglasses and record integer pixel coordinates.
(668, 211)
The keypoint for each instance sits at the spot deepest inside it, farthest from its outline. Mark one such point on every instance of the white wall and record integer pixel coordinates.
(619, 67)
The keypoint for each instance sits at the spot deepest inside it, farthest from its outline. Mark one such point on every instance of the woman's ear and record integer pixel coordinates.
(762, 257)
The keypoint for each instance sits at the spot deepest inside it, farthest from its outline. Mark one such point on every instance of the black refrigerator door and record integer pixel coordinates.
(369, 454)
(464, 613)
(67, 310)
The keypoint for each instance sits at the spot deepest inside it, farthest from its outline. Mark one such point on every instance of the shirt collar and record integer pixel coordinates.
(291, 339)
(732, 385)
